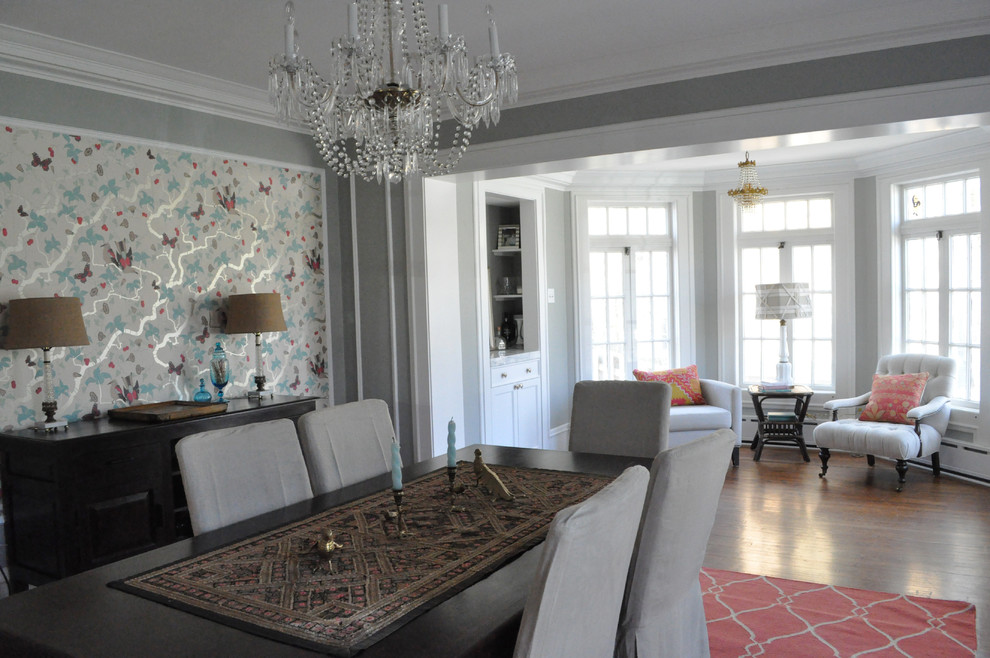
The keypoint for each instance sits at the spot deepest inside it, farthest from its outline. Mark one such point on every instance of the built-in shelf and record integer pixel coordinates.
(500, 298)
(507, 251)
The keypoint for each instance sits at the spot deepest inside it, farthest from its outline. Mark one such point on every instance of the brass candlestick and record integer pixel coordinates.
(454, 489)
(400, 523)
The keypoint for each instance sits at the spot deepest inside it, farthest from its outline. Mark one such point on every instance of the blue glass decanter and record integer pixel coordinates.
(219, 373)
(202, 395)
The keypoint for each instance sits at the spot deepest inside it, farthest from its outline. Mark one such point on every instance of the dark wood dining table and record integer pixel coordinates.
(82, 616)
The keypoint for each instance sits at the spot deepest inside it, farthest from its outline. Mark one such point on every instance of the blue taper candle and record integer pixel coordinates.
(396, 467)
(451, 444)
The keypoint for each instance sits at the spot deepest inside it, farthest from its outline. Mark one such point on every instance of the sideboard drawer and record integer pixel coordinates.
(515, 372)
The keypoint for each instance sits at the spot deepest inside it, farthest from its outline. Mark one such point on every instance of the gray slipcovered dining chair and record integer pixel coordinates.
(574, 603)
(235, 473)
(663, 614)
(894, 440)
(620, 418)
(346, 443)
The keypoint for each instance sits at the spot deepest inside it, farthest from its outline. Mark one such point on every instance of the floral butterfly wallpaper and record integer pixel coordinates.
(151, 239)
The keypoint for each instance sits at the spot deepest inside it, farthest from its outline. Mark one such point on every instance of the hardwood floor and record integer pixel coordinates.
(776, 517)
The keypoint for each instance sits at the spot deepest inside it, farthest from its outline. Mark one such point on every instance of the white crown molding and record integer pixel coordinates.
(40, 56)
(59, 60)
(964, 25)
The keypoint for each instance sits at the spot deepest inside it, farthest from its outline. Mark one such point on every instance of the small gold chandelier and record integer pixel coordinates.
(749, 193)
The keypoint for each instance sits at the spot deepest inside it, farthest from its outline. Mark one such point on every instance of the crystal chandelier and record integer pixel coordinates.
(377, 113)
(749, 193)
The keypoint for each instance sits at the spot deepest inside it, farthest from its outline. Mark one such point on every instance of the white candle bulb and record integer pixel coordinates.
(352, 19)
(290, 30)
(493, 32)
(444, 27)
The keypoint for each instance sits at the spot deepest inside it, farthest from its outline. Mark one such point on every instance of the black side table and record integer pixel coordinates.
(780, 427)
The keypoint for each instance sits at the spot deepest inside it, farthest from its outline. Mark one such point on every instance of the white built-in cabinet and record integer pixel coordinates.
(509, 220)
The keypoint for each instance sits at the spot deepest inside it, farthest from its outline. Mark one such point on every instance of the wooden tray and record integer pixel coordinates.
(159, 412)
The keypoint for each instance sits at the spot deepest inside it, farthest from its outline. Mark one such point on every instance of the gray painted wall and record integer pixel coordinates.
(867, 283)
(561, 348)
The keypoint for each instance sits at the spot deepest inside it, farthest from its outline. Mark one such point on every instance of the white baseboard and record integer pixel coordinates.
(560, 437)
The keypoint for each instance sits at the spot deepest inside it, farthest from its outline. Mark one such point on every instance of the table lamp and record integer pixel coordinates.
(46, 322)
(783, 301)
(253, 314)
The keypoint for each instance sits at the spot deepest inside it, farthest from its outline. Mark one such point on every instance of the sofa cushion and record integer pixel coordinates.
(892, 396)
(685, 387)
(699, 417)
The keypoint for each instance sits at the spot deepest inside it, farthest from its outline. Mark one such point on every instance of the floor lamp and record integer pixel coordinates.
(783, 301)
(46, 322)
(253, 314)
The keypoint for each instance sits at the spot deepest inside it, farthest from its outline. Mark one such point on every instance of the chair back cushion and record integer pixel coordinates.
(235, 473)
(940, 369)
(346, 443)
(574, 603)
(685, 387)
(663, 613)
(892, 396)
(620, 418)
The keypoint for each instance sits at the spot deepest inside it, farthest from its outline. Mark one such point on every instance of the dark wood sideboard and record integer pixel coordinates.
(105, 489)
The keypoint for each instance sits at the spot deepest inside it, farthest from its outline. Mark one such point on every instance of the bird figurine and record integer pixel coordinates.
(486, 477)
(326, 545)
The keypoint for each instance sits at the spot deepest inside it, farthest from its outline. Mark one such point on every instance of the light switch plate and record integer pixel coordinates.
(551, 296)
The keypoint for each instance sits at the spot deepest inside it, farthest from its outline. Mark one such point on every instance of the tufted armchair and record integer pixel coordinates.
(894, 440)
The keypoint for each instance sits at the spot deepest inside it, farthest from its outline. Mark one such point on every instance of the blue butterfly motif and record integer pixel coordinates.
(173, 185)
(6, 177)
(127, 151)
(37, 222)
(110, 187)
(75, 194)
(162, 165)
(146, 200)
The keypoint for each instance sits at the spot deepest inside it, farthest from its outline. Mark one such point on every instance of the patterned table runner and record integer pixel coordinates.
(275, 585)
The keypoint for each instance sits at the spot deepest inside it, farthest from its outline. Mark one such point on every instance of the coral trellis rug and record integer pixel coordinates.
(759, 616)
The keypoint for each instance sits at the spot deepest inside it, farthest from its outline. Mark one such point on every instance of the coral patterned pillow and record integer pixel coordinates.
(685, 387)
(892, 396)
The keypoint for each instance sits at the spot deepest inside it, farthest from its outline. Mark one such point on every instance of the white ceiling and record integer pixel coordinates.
(562, 48)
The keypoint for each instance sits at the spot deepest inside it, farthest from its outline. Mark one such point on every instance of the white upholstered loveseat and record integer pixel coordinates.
(723, 409)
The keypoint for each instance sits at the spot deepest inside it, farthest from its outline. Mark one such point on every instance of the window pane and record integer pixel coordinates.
(820, 213)
(597, 222)
(596, 273)
(644, 321)
(973, 195)
(616, 320)
(774, 216)
(613, 274)
(661, 318)
(955, 197)
(617, 221)
(599, 362)
(822, 277)
(934, 200)
(657, 220)
(599, 321)
(661, 273)
(959, 311)
(751, 219)
(637, 221)
(823, 359)
(801, 265)
(914, 202)
(959, 268)
(643, 278)
(797, 215)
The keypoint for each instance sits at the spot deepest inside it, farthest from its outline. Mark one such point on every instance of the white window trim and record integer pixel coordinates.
(843, 284)
(963, 415)
(682, 285)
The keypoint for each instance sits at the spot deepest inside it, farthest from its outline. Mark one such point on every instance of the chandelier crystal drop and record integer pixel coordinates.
(378, 111)
(749, 194)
